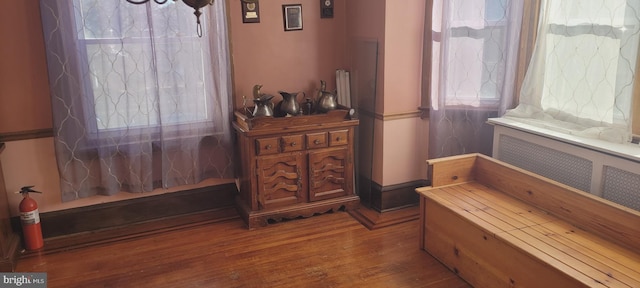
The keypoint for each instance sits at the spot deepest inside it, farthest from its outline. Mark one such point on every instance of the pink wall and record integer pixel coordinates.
(263, 53)
(405, 147)
(24, 87)
(366, 21)
(403, 55)
(399, 134)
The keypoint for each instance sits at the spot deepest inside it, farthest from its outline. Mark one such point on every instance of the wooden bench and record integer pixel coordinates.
(496, 225)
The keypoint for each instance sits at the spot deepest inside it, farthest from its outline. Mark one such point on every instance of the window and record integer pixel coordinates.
(139, 102)
(474, 55)
(581, 78)
(590, 57)
(146, 65)
(576, 71)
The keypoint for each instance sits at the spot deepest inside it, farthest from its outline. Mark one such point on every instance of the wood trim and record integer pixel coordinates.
(388, 205)
(393, 197)
(392, 116)
(401, 115)
(374, 220)
(115, 234)
(427, 46)
(635, 101)
(528, 35)
(26, 135)
(389, 198)
(107, 222)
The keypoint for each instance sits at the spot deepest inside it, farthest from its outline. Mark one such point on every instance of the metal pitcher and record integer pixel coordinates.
(289, 104)
(326, 102)
(263, 106)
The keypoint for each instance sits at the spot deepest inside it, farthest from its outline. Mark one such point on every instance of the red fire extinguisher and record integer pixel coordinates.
(30, 219)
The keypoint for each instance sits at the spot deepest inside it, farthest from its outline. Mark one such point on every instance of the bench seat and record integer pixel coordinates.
(495, 239)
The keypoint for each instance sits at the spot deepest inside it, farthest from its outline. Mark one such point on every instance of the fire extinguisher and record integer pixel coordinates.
(30, 219)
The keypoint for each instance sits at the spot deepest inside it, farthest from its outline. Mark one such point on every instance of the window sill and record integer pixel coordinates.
(628, 151)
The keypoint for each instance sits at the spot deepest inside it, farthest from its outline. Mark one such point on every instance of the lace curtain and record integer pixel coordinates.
(139, 101)
(474, 55)
(581, 78)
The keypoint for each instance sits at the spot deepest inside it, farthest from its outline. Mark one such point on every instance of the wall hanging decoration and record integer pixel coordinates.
(250, 11)
(292, 16)
(326, 8)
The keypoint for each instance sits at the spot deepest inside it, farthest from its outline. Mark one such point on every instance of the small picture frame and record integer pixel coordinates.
(292, 16)
(250, 11)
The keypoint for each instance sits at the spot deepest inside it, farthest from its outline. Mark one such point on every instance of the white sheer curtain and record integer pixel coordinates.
(473, 69)
(139, 100)
(580, 80)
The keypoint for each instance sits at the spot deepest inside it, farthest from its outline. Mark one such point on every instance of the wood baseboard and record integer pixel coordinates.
(119, 220)
(110, 235)
(26, 135)
(388, 205)
(373, 219)
(393, 197)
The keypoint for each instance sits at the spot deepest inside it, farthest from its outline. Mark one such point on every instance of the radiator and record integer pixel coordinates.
(609, 176)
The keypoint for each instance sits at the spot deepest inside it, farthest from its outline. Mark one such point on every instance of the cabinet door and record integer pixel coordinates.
(330, 174)
(280, 180)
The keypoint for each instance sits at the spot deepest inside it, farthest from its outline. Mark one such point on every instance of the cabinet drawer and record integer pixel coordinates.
(267, 146)
(317, 140)
(292, 143)
(337, 138)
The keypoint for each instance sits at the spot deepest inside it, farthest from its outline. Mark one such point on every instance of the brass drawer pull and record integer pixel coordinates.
(317, 142)
(293, 144)
(268, 147)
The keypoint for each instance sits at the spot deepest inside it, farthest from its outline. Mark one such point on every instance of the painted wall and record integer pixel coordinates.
(262, 54)
(400, 136)
(366, 22)
(24, 87)
(291, 61)
(405, 140)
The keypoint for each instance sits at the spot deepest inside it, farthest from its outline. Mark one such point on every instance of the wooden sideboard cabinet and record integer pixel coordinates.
(295, 166)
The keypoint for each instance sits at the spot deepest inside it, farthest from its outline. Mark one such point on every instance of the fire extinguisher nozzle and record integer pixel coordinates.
(27, 189)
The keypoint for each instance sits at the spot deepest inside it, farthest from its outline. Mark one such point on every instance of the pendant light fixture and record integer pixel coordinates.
(195, 4)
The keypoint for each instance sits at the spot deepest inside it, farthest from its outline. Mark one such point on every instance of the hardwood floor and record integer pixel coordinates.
(330, 250)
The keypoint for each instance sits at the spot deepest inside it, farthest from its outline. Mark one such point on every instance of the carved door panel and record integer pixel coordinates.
(280, 180)
(330, 170)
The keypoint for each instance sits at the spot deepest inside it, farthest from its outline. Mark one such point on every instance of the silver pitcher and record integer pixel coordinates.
(326, 102)
(289, 104)
(263, 106)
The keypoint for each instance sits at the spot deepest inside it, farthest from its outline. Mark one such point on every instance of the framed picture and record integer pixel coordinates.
(292, 16)
(250, 11)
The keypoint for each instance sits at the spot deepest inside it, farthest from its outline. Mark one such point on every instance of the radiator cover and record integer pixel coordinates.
(609, 176)
(563, 167)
